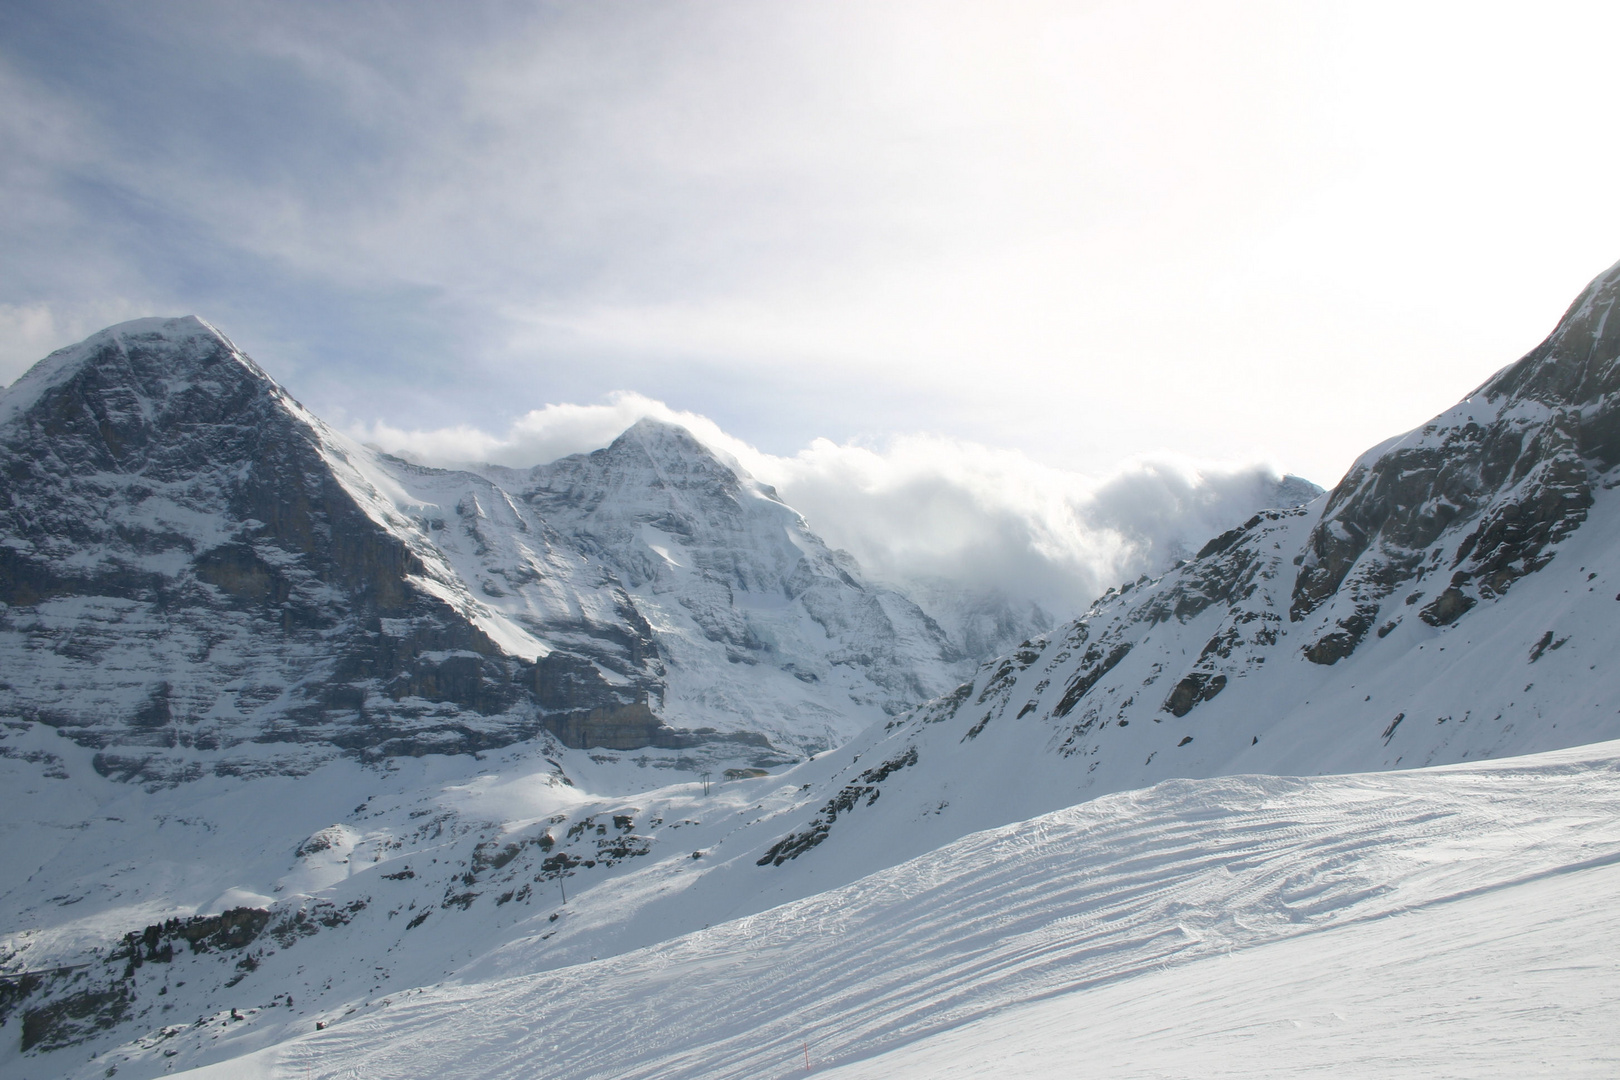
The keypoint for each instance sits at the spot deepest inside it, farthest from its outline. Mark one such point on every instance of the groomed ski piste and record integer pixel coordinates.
(1462, 920)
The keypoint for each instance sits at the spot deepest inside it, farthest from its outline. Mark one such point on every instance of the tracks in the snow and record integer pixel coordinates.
(1092, 894)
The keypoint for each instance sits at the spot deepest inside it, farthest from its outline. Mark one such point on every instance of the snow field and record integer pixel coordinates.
(1445, 917)
(1515, 981)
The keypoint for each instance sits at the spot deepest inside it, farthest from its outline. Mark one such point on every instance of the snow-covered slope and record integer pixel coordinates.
(279, 633)
(1453, 598)
(1167, 913)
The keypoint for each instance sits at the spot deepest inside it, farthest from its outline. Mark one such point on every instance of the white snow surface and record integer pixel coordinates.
(1451, 921)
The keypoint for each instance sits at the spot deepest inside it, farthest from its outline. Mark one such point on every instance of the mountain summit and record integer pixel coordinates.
(199, 576)
(721, 557)
(1480, 493)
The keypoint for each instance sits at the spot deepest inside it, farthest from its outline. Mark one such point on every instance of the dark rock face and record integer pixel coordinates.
(1196, 687)
(620, 727)
(149, 422)
(1479, 495)
(1097, 663)
(185, 571)
(1232, 576)
(74, 1017)
(865, 788)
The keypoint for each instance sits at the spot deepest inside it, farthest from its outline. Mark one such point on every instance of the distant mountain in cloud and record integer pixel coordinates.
(929, 514)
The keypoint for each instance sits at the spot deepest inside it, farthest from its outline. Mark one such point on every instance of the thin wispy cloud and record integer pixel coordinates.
(1091, 232)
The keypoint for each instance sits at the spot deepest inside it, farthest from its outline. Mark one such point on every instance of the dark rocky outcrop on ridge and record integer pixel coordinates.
(1473, 500)
(1455, 597)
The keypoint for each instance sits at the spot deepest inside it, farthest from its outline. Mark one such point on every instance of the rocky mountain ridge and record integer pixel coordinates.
(190, 562)
(1451, 599)
(1481, 493)
(197, 574)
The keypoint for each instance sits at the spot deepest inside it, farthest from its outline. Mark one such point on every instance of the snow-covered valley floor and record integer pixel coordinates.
(1456, 921)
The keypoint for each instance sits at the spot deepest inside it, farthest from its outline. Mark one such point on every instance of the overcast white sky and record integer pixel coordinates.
(1085, 234)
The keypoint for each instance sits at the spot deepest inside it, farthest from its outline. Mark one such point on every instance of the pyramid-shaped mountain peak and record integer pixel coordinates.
(665, 440)
(150, 374)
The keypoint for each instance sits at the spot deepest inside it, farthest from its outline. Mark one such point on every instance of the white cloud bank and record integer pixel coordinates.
(926, 508)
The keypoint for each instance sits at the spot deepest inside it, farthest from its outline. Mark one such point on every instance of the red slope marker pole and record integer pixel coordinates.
(806, 1057)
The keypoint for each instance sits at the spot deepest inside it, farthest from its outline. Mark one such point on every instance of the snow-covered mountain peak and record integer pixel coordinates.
(665, 442)
(197, 574)
(1294, 490)
(147, 360)
(676, 460)
(1576, 364)
(658, 504)
(714, 558)
(675, 448)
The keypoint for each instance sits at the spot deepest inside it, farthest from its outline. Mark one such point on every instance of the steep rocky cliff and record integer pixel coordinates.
(1475, 499)
(197, 574)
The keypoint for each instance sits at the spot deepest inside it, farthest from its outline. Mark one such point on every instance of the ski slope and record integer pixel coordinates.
(1458, 920)
(1515, 982)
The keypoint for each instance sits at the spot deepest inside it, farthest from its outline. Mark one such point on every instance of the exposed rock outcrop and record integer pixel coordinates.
(1478, 496)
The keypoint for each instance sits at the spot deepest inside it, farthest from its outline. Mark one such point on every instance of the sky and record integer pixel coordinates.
(1057, 244)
